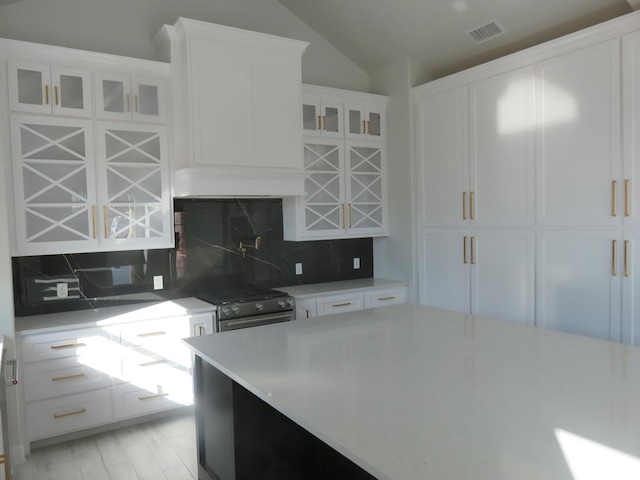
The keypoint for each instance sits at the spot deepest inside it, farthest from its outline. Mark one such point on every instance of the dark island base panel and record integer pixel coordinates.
(240, 437)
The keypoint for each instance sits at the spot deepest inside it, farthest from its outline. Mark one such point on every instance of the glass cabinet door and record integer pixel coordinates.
(71, 91)
(53, 184)
(321, 118)
(133, 185)
(311, 117)
(365, 123)
(324, 210)
(356, 123)
(29, 87)
(374, 124)
(113, 96)
(331, 119)
(366, 190)
(148, 103)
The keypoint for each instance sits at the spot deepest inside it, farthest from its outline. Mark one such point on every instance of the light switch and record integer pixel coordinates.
(157, 282)
(298, 268)
(356, 263)
(62, 290)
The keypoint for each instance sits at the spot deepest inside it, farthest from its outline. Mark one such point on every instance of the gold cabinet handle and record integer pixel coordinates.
(151, 334)
(342, 215)
(67, 345)
(67, 377)
(93, 221)
(55, 94)
(464, 205)
(345, 304)
(69, 414)
(306, 311)
(135, 98)
(4, 460)
(201, 330)
(128, 102)
(368, 127)
(350, 216)
(364, 127)
(104, 219)
(473, 255)
(471, 202)
(614, 191)
(149, 397)
(319, 122)
(151, 364)
(626, 197)
(464, 250)
(386, 298)
(324, 121)
(626, 258)
(614, 244)
(46, 94)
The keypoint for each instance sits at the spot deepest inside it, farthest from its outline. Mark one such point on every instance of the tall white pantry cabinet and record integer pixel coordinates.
(528, 185)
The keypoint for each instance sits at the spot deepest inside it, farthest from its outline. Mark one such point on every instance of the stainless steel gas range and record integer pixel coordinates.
(250, 307)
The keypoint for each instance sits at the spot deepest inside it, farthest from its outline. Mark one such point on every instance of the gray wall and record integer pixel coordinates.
(394, 256)
(126, 27)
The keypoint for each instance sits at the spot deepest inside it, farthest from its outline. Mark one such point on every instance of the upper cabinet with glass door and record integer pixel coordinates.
(45, 89)
(120, 97)
(365, 122)
(321, 117)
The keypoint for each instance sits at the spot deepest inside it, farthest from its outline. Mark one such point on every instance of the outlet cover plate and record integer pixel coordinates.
(62, 290)
(158, 282)
(298, 268)
(356, 263)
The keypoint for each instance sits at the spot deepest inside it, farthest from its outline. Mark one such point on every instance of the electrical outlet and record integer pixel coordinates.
(298, 268)
(62, 290)
(356, 263)
(157, 282)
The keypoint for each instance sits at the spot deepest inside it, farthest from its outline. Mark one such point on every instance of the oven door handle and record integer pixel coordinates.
(256, 320)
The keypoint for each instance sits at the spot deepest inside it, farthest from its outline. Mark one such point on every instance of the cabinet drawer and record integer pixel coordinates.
(145, 368)
(131, 400)
(68, 414)
(380, 298)
(45, 346)
(340, 304)
(155, 332)
(64, 376)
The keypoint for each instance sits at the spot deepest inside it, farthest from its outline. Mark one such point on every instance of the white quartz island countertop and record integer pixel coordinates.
(412, 392)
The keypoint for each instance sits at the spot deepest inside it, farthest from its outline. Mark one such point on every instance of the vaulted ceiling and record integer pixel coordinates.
(374, 33)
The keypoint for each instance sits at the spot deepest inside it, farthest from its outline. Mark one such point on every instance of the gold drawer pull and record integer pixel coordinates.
(149, 397)
(626, 197)
(149, 364)
(319, 123)
(4, 460)
(345, 304)
(46, 94)
(614, 190)
(151, 334)
(626, 258)
(201, 330)
(69, 414)
(386, 298)
(613, 257)
(67, 377)
(68, 345)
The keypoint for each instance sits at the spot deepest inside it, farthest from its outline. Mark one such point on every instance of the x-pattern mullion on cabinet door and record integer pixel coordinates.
(366, 188)
(51, 142)
(56, 223)
(133, 147)
(54, 183)
(365, 215)
(133, 184)
(141, 221)
(365, 173)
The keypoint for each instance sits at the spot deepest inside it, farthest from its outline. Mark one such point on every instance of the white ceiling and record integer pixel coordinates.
(374, 33)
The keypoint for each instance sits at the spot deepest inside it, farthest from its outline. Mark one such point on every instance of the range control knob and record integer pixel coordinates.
(281, 303)
(259, 307)
(225, 312)
(236, 310)
(290, 302)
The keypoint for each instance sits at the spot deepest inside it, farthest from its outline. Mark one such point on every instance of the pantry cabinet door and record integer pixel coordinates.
(502, 274)
(502, 149)
(578, 283)
(72, 94)
(113, 96)
(445, 269)
(631, 126)
(578, 138)
(630, 252)
(29, 87)
(443, 158)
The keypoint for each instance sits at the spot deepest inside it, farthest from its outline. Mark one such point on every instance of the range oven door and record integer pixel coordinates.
(254, 321)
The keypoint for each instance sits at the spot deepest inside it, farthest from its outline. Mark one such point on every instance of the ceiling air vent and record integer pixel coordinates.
(485, 32)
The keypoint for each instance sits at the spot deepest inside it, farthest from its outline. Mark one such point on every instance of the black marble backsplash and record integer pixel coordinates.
(220, 244)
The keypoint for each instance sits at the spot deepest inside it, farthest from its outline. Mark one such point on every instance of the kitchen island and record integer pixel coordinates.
(413, 392)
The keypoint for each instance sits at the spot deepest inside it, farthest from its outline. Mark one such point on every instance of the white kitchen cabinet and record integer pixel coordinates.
(322, 117)
(630, 275)
(306, 309)
(631, 123)
(476, 153)
(483, 272)
(46, 89)
(578, 286)
(127, 98)
(578, 138)
(365, 122)
(384, 297)
(341, 303)
(133, 186)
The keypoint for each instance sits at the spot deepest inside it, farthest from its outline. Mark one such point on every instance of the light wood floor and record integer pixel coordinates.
(162, 449)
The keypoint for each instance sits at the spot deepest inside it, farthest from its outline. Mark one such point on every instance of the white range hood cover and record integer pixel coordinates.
(228, 182)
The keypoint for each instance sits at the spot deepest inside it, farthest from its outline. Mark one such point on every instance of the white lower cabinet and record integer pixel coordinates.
(484, 272)
(578, 282)
(340, 304)
(306, 309)
(85, 377)
(631, 287)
